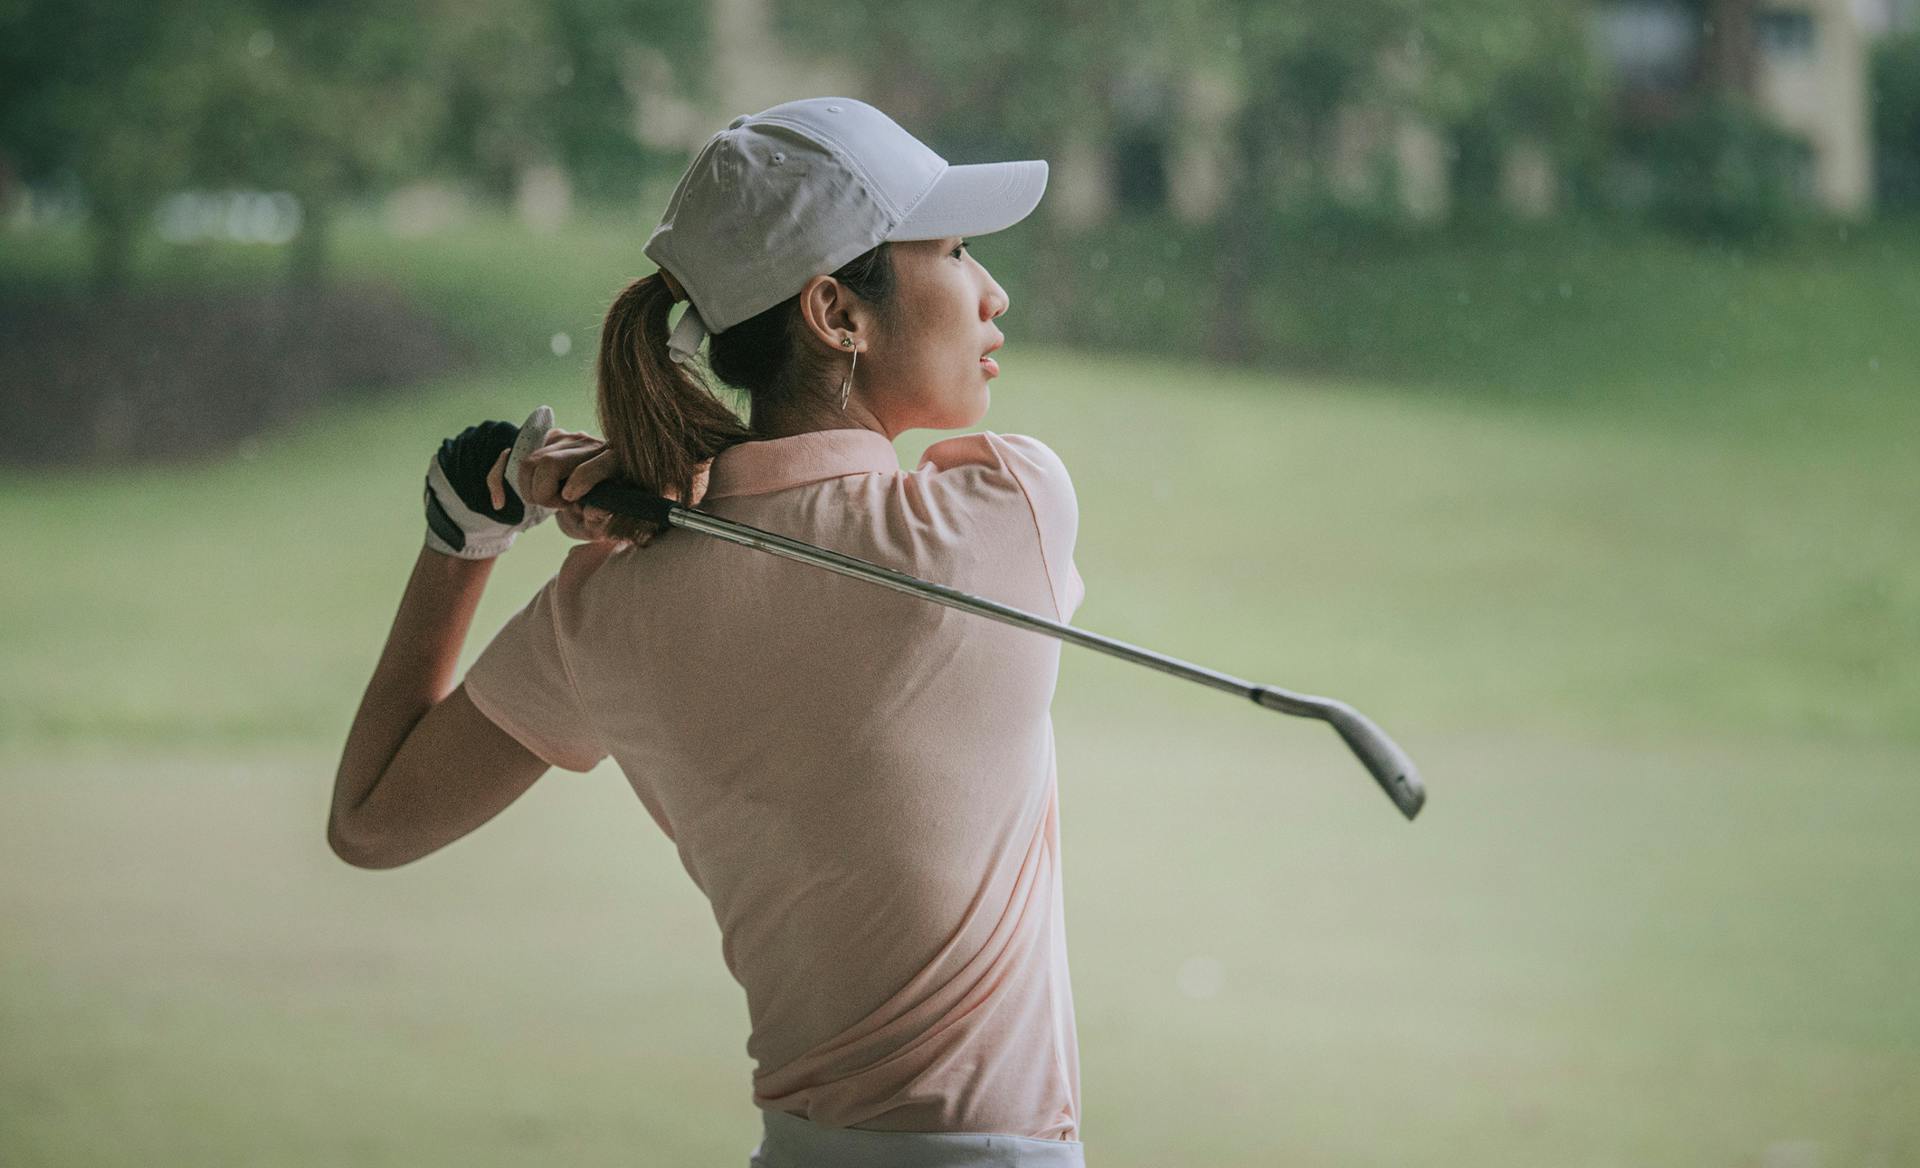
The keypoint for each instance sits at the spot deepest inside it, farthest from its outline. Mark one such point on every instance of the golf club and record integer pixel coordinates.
(1385, 761)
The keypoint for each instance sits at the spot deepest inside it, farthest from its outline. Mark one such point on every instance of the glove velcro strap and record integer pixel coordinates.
(441, 527)
(445, 506)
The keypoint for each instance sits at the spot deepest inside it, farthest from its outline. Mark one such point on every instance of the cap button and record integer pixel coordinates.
(833, 109)
(738, 122)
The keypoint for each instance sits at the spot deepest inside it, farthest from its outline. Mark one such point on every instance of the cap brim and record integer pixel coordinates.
(975, 200)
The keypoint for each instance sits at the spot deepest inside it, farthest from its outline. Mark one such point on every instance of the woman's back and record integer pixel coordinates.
(862, 782)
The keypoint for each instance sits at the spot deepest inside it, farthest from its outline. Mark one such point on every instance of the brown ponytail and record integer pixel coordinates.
(659, 417)
(662, 420)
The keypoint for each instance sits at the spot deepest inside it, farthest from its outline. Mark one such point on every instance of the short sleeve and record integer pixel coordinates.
(1042, 478)
(521, 682)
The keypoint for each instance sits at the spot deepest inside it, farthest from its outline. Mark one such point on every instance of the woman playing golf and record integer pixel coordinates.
(861, 782)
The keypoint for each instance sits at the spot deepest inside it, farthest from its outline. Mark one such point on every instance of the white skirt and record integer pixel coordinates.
(792, 1142)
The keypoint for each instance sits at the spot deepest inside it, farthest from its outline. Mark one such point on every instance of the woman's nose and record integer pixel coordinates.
(996, 301)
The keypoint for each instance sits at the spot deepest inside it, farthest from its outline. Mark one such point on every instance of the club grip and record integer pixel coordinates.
(1383, 758)
(629, 500)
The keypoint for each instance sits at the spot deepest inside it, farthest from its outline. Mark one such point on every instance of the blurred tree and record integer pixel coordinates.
(324, 101)
(595, 105)
(528, 84)
(131, 101)
(102, 95)
(1710, 160)
(1295, 66)
(1485, 70)
(1730, 50)
(1896, 120)
(1724, 170)
(1498, 75)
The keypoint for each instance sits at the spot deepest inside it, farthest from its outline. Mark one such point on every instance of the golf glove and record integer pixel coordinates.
(461, 518)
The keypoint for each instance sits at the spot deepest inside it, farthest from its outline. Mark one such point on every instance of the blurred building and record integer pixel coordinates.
(1878, 17)
(753, 68)
(1803, 62)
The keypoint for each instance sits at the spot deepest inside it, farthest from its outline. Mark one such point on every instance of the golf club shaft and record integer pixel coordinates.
(1388, 764)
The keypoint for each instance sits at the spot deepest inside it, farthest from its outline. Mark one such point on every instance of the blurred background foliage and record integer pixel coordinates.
(128, 102)
(1718, 117)
(1247, 153)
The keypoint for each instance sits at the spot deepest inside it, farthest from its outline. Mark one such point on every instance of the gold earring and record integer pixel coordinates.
(846, 387)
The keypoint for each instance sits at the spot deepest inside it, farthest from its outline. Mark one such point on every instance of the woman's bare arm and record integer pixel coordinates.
(422, 767)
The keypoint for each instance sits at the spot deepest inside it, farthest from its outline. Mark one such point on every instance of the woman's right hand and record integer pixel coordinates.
(566, 465)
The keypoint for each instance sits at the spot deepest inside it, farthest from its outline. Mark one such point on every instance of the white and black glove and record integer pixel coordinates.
(461, 518)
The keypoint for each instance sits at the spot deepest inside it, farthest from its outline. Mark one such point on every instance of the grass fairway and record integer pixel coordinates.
(1661, 679)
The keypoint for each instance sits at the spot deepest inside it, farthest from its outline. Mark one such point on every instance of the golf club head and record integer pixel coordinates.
(1383, 758)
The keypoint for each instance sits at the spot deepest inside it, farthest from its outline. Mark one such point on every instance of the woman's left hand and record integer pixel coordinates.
(469, 515)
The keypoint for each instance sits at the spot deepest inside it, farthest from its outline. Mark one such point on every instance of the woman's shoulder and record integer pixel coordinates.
(1023, 457)
(1026, 467)
(1033, 481)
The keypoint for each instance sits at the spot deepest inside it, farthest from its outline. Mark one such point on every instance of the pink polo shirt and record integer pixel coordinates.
(861, 782)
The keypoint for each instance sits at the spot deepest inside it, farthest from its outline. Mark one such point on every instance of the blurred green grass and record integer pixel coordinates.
(1586, 953)
(1658, 662)
(1451, 562)
(1602, 319)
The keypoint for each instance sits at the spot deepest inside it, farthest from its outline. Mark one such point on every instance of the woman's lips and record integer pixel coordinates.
(991, 366)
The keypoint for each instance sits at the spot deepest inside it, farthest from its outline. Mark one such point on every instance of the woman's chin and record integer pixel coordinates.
(978, 402)
(963, 409)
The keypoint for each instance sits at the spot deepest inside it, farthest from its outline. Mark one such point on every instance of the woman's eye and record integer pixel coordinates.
(958, 249)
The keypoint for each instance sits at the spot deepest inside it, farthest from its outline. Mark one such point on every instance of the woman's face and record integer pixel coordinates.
(928, 368)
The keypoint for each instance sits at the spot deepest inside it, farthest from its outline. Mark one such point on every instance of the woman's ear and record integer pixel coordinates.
(831, 310)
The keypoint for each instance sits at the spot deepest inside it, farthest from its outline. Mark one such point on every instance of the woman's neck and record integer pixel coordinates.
(768, 424)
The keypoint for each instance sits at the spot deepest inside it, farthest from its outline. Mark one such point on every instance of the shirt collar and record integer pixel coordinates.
(773, 464)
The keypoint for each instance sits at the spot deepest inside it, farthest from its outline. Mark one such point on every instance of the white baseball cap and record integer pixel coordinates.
(797, 190)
